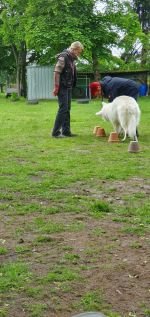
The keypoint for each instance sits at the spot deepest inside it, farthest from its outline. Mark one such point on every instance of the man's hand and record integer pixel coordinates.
(56, 89)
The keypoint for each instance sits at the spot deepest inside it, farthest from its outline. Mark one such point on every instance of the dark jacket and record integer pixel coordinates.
(113, 87)
(68, 76)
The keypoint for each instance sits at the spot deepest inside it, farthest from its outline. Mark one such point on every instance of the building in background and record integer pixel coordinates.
(40, 82)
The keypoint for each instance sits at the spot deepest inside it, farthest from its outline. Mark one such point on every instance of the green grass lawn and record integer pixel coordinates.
(60, 198)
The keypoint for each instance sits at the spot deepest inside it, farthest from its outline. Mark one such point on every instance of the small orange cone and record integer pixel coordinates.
(113, 137)
(100, 132)
(95, 129)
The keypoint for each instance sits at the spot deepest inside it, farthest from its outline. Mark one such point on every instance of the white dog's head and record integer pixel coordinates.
(104, 111)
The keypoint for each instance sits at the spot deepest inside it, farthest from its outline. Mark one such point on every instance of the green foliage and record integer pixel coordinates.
(48, 227)
(97, 30)
(45, 31)
(36, 310)
(13, 22)
(61, 275)
(14, 96)
(22, 249)
(147, 312)
(92, 301)
(3, 312)
(12, 31)
(13, 276)
(100, 207)
(33, 292)
(3, 250)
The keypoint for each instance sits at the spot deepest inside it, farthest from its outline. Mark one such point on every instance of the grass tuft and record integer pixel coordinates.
(13, 276)
(99, 208)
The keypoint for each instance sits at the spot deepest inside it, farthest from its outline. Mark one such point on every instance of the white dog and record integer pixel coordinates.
(124, 114)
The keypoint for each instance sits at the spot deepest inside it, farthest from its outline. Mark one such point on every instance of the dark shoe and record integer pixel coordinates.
(59, 136)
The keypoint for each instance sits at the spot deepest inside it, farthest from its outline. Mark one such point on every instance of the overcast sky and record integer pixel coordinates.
(115, 51)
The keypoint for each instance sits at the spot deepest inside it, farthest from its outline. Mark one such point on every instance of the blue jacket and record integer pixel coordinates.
(113, 87)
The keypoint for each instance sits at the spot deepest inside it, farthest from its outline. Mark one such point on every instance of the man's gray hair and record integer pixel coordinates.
(76, 44)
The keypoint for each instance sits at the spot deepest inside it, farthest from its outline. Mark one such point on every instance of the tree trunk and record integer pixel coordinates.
(23, 70)
(95, 67)
(20, 58)
(18, 78)
(16, 55)
(145, 54)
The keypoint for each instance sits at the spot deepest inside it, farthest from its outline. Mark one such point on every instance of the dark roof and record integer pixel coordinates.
(116, 72)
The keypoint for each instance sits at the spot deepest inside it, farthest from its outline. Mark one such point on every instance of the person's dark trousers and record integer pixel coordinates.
(135, 96)
(62, 121)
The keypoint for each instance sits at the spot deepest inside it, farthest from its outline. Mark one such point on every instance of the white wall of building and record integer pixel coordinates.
(40, 82)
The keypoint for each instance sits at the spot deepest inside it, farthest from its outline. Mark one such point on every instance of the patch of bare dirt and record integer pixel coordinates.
(112, 190)
(110, 261)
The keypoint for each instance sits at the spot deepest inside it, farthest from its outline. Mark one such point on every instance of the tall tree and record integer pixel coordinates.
(52, 25)
(142, 8)
(7, 64)
(137, 53)
(48, 26)
(12, 29)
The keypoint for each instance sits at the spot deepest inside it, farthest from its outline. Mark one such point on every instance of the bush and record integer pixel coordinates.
(14, 96)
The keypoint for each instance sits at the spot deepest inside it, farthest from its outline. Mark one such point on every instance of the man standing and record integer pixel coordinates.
(64, 81)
